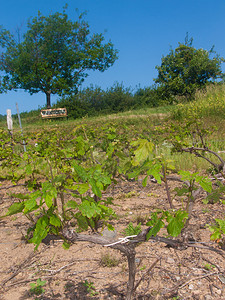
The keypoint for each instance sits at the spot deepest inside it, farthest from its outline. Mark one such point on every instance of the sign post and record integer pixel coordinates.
(53, 113)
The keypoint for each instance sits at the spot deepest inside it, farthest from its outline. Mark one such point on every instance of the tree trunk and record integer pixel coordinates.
(48, 99)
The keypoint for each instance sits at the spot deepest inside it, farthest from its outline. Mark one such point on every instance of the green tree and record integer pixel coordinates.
(54, 55)
(186, 69)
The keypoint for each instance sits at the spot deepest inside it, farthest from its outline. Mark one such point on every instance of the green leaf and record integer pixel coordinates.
(155, 171)
(176, 222)
(15, 208)
(41, 231)
(81, 172)
(66, 245)
(95, 188)
(144, 181)
(83, 188)
(48, 200)
(28, 169)
(71, 204)
(19, 196)
(144, 149)
(155, 229)
(205, 183)
(89, 209)
(215, 236)
(82, 221)
(174, 227)
(49, 193)
(110, 227)
(181, 191)
(186, 175)
(55, 221)
(30, 205)
(221, 224)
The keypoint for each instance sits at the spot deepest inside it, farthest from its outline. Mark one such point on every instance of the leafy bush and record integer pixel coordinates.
(94, 101)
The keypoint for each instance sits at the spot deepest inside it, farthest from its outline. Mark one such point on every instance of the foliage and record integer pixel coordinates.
(37, 288)
(89, 285)
(132, 230)
(186, 69)
(53, 56)
(66, 172)
(92, 101)
(218, 229)
(49, 173)
(175, 222)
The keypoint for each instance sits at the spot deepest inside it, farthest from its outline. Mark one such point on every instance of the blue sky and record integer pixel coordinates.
(142, 30)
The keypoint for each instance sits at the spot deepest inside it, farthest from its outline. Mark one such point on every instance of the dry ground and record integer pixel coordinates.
(194, 273)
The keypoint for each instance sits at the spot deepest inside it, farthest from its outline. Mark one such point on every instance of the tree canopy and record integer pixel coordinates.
(54, 55)
(186, 69)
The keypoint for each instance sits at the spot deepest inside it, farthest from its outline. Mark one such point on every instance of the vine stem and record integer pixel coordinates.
(167, 187)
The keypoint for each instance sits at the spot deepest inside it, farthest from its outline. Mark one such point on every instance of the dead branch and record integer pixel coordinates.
(146, 273)
(184, 283)
(19, 268)
(195, 150)
(11, 186)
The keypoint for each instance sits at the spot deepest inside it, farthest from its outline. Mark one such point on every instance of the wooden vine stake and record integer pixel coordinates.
(10, 125)
(9, 120)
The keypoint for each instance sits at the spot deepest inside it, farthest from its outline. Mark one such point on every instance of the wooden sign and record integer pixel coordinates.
(53, 113)
(9, 119)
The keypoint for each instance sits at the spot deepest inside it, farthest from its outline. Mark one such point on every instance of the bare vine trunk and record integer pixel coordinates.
(128, 250)
(132, 273)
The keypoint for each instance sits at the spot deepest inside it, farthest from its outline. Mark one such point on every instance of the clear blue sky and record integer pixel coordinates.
(142, 30)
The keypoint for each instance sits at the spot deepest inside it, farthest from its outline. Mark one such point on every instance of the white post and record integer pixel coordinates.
(9, 119)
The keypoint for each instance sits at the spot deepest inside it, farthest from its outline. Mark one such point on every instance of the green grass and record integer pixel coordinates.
(209, 103)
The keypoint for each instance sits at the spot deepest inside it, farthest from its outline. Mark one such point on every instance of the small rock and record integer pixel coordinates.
(219, 292)
(177, 278)
(137, 260)
(109, 234)
(142, 195)
(208, 297)
(191, 287)
(170, 260)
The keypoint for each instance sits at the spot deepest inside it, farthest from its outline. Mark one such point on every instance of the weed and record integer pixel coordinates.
(208, 267)
(37, 288)
(139, 219)
(109, 261)
(131, 230)
(90, 288)
(132, 194)
(143, 268)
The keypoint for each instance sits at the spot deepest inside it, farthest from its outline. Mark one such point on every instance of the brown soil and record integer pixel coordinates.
(79, 273)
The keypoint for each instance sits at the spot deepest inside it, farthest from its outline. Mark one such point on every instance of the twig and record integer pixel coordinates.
(66, 266)
(146, 273)
(208, 248)
(183, 284)
(212, 263)
(12, 186)
(199, 277)
(19, 269)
